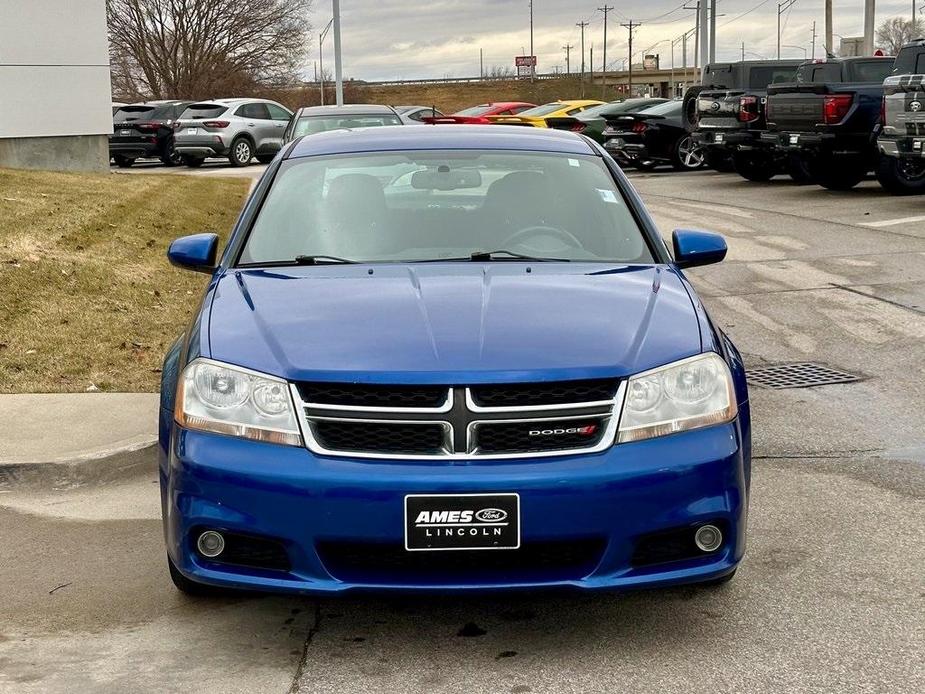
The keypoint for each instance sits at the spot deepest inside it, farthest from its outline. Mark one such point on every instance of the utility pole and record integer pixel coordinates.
(781, 8)
(828, 27)
(629, 79)
(743, 51)
(481, 66)
(814, 39)
(869, 13)
(338, 67)
(605, 9)
(582, 25)
(704, 31)
(532, 63)
(591, 65)
(568, 51)
(321, 56)
(713, 16)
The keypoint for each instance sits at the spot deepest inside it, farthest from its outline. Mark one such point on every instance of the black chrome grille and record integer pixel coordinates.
(531, 436)
(384, 437)
(530, 419)
(539, 394)
(371, 395)
(377, 563)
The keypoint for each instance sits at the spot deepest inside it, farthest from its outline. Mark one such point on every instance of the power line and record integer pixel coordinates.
(747, 12)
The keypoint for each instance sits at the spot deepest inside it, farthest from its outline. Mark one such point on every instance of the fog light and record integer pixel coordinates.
(211, 543)
(708, 538)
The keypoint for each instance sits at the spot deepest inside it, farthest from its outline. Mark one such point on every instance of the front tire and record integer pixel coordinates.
(170, 157)
(123, 162)
(192, 588)
(687, 155)
(754, 166)
(901, 176)
(241, 152)
(193, 162)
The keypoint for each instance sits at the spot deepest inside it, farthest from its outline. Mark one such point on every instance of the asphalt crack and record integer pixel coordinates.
(300, 668)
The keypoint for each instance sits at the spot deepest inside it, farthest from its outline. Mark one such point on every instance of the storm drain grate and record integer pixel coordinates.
(801, 375)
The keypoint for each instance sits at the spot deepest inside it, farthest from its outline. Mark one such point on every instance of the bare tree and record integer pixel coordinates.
(895, 32)
(499, 72)
(198, 48)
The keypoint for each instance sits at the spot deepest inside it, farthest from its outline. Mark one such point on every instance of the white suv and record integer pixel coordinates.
(239, 129)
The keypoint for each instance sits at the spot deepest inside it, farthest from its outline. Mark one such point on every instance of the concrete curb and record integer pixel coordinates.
(99, 468)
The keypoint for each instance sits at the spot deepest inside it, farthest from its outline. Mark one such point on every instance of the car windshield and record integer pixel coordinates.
(433, 205)
(474, 110)
(667, 108)
(543, 110)
(311, 125)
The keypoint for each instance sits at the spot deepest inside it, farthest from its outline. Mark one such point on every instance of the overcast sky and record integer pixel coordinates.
(407, 39)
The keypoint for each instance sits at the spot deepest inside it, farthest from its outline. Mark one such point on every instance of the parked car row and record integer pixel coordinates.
(831, 122)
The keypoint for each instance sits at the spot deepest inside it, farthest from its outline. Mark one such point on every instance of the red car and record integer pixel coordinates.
(478, 115)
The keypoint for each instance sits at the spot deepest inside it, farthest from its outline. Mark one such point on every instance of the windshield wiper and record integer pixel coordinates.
(321, 259)
(485, 256)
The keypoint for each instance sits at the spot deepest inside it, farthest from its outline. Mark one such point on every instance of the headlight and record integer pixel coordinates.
(230, 400)
(688, 394)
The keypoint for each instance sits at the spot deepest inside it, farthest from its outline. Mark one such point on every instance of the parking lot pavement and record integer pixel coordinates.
(828, 599)
(211, 167)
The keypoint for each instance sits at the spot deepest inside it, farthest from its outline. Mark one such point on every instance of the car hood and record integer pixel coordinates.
(452, 322)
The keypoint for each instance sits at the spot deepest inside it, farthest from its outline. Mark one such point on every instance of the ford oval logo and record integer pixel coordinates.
(491, 515)
(915, 106)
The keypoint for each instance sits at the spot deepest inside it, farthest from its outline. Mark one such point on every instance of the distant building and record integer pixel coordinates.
(851, 46)
(55, 98)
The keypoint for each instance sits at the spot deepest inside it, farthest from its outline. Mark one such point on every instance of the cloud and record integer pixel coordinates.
(405, 39)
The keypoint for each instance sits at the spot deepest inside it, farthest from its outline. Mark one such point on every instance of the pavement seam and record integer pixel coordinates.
(300, 668)
(878, 298)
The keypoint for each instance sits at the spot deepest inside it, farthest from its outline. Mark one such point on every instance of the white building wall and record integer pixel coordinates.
(54, 70)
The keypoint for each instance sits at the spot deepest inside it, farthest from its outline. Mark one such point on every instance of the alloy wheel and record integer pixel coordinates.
(242, 152)
(690, 153)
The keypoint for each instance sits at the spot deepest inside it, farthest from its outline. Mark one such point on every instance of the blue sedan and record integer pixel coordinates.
(450, 359)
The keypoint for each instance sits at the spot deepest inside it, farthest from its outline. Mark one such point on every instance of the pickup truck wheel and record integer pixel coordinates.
(754, 166)
(902, 176)
(798, 169)
(123, 162)
(689, 108)
(719, 160)
(837, 175)
(687, 155)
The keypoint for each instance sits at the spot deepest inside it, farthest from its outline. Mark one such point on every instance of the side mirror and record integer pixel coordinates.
(693, 248)
(196, 252)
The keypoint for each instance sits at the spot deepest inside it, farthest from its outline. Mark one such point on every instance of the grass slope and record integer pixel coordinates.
(87, 297)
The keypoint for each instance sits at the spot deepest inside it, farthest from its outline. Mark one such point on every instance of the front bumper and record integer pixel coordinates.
(605, 501)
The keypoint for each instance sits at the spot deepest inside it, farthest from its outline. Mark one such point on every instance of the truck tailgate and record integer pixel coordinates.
(718, 109)
(796, 108)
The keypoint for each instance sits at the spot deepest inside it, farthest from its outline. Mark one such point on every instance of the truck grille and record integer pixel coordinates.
(443, 422)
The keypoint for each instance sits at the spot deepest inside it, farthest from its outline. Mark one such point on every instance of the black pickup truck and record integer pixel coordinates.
(901, 168)
(726, 113)
(828, 119)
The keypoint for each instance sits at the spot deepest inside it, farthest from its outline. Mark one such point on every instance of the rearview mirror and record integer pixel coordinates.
(693, 248)
(196, 252)
(442, 178)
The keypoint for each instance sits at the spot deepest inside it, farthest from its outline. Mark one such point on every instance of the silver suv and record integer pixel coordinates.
(239, 129)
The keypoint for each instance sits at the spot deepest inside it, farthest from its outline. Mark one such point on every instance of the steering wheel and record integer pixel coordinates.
(566, 237)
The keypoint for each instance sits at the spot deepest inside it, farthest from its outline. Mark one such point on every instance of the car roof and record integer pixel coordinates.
(430, 137)
(346, 110)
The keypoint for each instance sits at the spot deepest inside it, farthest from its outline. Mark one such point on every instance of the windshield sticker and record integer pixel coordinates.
(607, 196)
(573, 162)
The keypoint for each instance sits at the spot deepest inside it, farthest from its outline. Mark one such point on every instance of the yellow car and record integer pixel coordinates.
(536, 117)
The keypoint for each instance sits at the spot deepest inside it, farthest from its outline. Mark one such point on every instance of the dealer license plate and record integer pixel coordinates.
(462, 521)
(794, 139)
(191, 131)
(125, 132)
(718, 138)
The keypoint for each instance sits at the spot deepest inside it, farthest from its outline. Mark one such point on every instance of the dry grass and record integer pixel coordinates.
(88, 298)
(450, 98)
